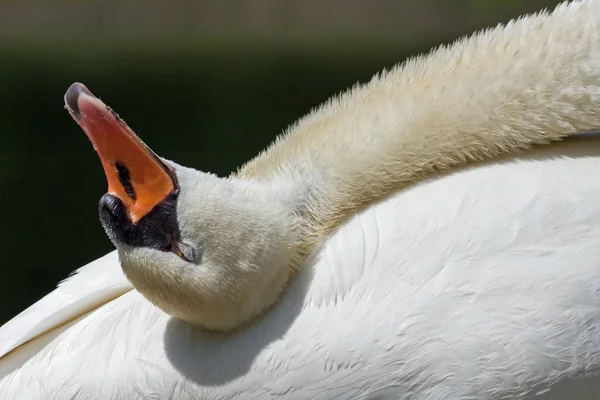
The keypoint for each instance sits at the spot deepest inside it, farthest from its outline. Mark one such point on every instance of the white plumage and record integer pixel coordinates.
(488, 290)
(482, 283)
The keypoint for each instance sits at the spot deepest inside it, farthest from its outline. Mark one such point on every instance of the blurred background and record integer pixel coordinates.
(205, 83)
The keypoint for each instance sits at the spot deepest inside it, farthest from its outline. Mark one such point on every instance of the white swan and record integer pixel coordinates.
(479, 284)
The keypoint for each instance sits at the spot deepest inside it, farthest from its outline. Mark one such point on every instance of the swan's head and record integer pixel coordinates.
(213, 252)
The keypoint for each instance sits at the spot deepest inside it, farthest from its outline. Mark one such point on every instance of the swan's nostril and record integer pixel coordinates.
(125, 179)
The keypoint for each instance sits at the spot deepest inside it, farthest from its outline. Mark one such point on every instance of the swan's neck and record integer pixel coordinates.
(498, 92)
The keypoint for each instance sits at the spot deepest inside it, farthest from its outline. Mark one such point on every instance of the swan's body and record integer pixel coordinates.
(487, 292)
(478, 284)
(498, 92)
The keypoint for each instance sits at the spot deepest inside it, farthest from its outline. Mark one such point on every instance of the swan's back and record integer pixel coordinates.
(480, 284)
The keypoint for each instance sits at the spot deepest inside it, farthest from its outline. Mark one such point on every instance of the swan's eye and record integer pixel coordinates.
(188, 253)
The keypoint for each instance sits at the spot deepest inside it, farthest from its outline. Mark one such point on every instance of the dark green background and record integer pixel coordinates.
(205, 103)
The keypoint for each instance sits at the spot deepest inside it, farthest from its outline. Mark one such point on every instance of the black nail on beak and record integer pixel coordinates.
(72, 95)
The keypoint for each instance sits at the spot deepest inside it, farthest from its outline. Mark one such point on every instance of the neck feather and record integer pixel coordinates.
(498, 92)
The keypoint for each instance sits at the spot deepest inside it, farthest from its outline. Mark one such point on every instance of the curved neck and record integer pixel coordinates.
(498, 92)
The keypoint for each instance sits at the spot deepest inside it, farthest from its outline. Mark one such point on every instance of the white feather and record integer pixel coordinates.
(90, 286)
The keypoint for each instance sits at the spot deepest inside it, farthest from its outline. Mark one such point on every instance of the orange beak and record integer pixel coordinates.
(135, 174)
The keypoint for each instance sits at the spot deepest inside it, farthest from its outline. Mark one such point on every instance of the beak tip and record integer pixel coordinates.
(72, 98)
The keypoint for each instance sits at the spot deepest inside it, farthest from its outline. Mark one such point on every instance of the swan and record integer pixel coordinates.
(309, 273)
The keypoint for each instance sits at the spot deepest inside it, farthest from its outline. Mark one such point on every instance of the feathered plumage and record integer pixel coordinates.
(479, 283)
